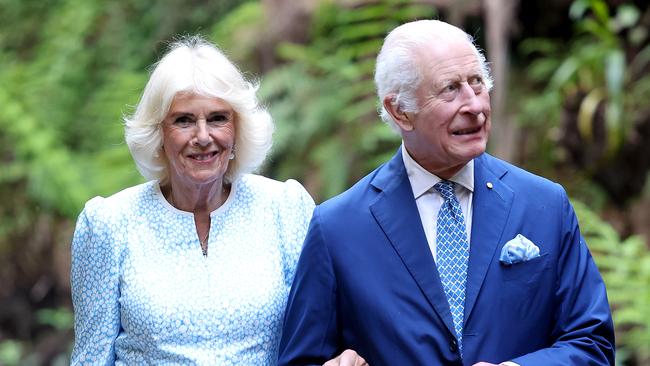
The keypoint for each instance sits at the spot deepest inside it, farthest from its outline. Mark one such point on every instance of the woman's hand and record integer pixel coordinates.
(347, 358)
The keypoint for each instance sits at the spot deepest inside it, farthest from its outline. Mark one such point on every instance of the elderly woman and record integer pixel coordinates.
(194, 266)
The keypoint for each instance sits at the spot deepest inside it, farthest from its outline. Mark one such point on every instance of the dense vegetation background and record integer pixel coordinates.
(570, 103)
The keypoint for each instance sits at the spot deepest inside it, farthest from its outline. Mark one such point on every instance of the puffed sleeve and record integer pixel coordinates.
(310, 331)
(95, 287)
(295, 213)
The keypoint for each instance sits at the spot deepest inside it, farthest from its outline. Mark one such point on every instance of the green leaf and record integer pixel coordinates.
(626, 16)
(564, 73)
(601, 11)
(578, 8)
(10, 352)
(615, 72)
(587, 111)
(60, 318)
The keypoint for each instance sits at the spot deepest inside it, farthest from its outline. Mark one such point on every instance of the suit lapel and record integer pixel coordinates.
(396, 213)
(491, 207)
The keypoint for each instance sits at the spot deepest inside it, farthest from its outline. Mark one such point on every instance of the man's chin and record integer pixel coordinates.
(470, 153)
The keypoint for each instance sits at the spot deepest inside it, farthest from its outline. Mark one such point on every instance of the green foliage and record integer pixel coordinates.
(61, 318)
(625, 267)
(45, 115)
(248, 22)
(10, 352)
(594, 70)
(323, 98)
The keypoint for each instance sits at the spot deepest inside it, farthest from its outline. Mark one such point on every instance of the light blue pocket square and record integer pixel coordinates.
(519, 249)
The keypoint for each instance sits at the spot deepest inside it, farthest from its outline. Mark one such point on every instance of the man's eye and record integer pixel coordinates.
(476, 80)
(450, 88)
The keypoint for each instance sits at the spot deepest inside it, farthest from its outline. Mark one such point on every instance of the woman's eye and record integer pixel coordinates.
(218, 118)
(183, 121)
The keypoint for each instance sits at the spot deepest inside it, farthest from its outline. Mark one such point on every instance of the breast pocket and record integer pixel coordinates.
(526, 290)
(525, 272)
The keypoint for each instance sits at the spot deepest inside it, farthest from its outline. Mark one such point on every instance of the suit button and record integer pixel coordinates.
(453, 345)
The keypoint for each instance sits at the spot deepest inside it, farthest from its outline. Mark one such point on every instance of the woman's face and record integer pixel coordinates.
(198, 138)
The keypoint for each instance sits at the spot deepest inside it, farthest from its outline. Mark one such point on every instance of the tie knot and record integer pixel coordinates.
(446, 189)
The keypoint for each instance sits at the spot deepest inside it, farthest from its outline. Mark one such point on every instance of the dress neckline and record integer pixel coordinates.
(161, 198)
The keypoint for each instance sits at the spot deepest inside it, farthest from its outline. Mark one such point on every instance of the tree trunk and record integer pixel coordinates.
(499, 15)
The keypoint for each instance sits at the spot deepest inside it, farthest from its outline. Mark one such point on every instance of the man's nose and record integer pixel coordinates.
(473, 99)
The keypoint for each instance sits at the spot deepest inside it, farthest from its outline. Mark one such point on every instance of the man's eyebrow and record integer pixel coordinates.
(449, 80)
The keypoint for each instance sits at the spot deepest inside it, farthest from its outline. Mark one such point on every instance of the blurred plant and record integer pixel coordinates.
(60, 318)
(69, 70)
(625, 267)
(10, 352)
(595, 96)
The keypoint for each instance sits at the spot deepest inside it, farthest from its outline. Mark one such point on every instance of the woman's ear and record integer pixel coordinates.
(400, 117)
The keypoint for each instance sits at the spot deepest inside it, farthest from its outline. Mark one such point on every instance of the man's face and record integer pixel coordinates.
(453, 122)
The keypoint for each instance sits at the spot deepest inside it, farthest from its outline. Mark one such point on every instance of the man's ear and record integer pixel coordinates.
(395, 110)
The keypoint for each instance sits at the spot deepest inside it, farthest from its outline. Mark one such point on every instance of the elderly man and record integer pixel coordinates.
(445, 255)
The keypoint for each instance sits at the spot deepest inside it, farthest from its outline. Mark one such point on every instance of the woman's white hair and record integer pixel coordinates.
(397, 70)
(193, 65)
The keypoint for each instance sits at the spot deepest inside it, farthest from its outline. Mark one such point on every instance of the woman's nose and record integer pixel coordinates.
(202, 133)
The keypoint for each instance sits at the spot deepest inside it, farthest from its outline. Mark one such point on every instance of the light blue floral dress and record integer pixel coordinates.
(143, 292)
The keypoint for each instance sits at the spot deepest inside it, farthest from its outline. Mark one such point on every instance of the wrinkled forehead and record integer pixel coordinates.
(429, 41)
(457, 55)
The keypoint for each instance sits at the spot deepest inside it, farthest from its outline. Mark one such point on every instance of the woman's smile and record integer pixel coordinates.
(203, 157)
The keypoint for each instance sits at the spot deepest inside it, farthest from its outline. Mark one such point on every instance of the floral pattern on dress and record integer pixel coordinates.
(143, 293)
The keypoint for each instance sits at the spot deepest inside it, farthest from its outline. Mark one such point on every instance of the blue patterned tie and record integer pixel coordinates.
(452, 254)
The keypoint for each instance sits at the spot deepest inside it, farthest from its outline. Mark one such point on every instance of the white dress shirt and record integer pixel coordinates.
(429, 201)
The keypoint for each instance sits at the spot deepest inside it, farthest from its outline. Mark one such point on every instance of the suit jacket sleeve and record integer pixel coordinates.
(583, 333)
(310, 333)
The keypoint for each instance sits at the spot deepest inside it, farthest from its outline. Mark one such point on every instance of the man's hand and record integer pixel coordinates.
(347, 358)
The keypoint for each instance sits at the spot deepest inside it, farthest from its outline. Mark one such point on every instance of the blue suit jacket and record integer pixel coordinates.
(366, 279)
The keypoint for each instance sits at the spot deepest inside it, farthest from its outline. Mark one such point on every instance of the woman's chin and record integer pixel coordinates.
(202, 177)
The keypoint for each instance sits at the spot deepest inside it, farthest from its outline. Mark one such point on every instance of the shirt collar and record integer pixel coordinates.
(422, 180)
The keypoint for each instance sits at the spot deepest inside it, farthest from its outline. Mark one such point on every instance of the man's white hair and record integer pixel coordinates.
(194, 65)
(397, 70)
